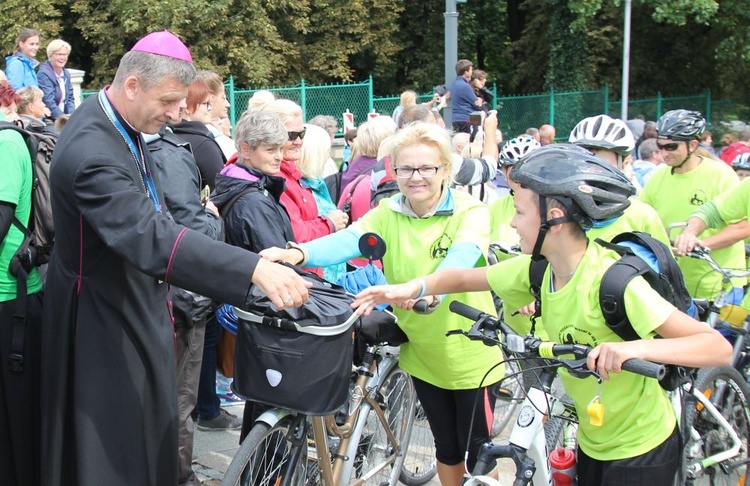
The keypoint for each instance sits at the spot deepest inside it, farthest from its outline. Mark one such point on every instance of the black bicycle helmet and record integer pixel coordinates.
(566, 171)
(681, 125)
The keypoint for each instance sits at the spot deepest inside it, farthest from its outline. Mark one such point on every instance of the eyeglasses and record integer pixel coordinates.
(669, 147)
(61, 54)
(207, 104)
(427, 172)
(295, 135)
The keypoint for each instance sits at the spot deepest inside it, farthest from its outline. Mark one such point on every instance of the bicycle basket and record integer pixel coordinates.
(298, 359)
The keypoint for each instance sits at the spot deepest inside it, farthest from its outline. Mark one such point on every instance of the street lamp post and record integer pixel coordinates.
(451, 51)
(626, 61)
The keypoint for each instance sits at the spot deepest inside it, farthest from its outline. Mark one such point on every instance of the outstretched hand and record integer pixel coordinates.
(276, 254)
(366, 300)
(281, 284)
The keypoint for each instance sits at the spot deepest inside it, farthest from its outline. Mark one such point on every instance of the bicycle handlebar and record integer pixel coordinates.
(490, 324)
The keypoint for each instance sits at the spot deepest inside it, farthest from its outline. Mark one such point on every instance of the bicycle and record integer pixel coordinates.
(526, 447)
(365, 444)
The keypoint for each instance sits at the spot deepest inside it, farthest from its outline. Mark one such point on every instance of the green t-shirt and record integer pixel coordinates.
(675, 197)
(638, 217)
(15, 188)
(501, 212)
(416, 247)
(637, 413)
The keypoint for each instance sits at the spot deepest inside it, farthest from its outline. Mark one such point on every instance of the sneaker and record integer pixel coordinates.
(229, 398)
(224, 421)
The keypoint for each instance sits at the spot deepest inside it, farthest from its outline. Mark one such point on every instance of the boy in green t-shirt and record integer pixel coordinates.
(563, 189)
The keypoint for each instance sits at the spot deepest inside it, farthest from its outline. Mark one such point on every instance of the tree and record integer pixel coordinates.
(42, 15)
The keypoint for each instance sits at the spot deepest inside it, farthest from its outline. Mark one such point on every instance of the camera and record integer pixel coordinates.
(475, 118)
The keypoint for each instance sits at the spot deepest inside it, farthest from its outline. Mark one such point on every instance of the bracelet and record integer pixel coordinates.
(424, 288)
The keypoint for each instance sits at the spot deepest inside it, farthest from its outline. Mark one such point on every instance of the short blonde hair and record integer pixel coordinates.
(316, 150)
(56, 46)
(421, 133)
(408, 98)
(286, 109)
(29, 95)
(370, 134)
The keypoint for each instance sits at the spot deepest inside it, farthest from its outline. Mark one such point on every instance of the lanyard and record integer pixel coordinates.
(147, 179)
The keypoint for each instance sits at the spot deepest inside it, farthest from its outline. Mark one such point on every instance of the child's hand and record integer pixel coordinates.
(366, 300)
(608, 357)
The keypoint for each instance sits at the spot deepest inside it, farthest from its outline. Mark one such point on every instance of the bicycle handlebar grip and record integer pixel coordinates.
(645, 368)
(421, 307)
(465, 310)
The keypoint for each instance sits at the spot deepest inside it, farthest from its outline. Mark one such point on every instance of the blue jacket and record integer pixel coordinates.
(20, 71)
(52, 93)
(463, 97)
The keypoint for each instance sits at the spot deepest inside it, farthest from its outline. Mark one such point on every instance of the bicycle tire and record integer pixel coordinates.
(420, 464)
(250, 465)
(396, 397)
(735, 408)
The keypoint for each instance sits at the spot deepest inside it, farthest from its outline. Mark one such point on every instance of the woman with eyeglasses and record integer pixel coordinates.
(54, 80)
(297, 199)
(428, 227)
(197, 114)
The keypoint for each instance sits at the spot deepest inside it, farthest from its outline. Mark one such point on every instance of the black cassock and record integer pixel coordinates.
(109, 406)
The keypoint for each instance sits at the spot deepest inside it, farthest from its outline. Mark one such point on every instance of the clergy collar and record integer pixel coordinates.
(126, 124)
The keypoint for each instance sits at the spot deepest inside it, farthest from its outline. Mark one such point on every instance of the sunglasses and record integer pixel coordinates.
(295, 135)
(669, 147)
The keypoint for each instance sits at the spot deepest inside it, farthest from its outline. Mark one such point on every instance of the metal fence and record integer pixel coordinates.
(516, 113)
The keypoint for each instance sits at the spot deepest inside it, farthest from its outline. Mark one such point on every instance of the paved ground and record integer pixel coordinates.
(213, 452)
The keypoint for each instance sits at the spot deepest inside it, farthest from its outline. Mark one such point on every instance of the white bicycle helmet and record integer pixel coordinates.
(742, 161)
(516, 148)
(603, 132)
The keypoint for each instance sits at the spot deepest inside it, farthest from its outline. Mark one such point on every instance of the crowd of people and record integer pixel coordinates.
(162, 210)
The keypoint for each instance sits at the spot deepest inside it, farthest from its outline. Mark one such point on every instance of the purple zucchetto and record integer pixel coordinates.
(163, 43)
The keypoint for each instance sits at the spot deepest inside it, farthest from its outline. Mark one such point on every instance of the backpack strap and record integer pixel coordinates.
(347, 199)
(612, 294)
(536, 275)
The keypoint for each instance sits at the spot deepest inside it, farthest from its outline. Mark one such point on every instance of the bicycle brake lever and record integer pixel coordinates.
(456, 331)
(579, 369)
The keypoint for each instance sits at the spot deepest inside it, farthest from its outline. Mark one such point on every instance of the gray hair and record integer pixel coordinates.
(152, 69)
(259, 127)
(326, 122)
(647, 148)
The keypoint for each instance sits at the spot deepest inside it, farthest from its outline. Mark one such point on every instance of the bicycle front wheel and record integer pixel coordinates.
(420, 464)
(263, 456)
(729, 392)
(504, 407)
(396, 398)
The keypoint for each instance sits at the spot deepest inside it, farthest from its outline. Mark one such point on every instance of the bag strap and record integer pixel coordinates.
(612, 294)
(228, 206)
(20, 270)
(536, 275)
(347, 206)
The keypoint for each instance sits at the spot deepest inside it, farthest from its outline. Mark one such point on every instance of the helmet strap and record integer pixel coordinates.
(545, 226)
(689, 154)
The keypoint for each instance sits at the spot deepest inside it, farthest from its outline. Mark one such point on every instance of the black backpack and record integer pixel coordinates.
(640, 255)
(36, 247)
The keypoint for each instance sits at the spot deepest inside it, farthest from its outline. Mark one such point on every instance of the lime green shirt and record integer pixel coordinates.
(416, 247)
(15, 188)
(637, 413)
(638, 217)
(675, 197)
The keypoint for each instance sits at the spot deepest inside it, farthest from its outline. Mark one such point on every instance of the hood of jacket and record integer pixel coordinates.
(234, 179)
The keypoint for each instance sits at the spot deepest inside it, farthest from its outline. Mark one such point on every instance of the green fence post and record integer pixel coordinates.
(708, 105)
(606, 99)
(658, 105)
(552, 105)
(494, 95)
(230, 97)
(303, 100)
(370, 96)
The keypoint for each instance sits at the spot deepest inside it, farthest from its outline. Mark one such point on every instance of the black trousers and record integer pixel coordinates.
(657, 466)
(20, 415)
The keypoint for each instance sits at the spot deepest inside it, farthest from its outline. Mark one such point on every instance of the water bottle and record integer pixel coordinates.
(563, 466)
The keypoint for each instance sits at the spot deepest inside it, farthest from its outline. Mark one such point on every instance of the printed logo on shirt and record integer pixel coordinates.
(439, 249)
(571, 334)
(698, 198)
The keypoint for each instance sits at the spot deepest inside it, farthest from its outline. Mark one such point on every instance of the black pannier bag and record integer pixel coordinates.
(297, 358)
